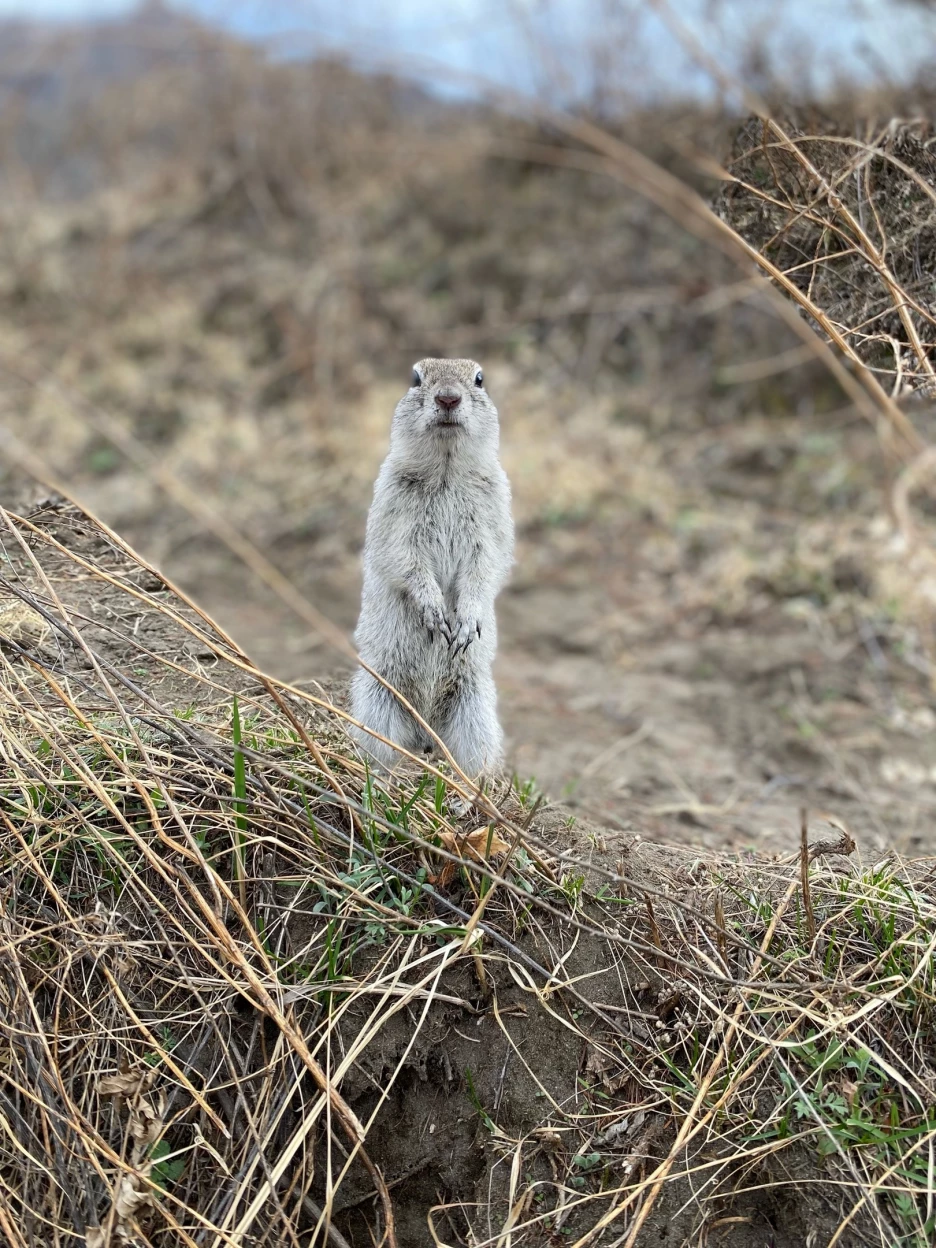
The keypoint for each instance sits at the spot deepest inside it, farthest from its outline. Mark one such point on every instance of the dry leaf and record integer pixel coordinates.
(146, 1126)
(477, 845)
(444, 877)
(146, 1122)
(599, 1065)
(130, 1082)
(130, 1198)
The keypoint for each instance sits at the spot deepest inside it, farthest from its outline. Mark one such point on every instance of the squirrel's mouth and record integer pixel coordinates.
(447, 422)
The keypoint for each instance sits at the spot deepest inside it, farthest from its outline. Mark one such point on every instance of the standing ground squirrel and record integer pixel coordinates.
(439, 546)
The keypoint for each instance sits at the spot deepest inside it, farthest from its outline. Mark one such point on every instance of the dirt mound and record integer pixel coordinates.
(251, 994)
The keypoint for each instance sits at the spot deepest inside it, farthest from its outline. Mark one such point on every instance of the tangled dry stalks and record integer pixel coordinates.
(850, 220)
(214, 919)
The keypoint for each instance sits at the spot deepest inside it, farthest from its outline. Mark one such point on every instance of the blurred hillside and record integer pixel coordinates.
(235, 262)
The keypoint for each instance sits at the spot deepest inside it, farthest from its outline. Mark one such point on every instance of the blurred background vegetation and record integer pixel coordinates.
(226, 234)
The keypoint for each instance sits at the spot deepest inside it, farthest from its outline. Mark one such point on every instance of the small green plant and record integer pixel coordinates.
(487, 1120)
(584, 1165)
(167, 1169)
(439, 796)
(526, 790)
(572, 886)
(846, 1101)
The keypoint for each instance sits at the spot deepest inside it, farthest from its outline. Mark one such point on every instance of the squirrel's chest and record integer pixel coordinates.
(450, 530)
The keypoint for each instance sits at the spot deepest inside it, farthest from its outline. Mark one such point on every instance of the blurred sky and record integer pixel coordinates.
(522, 43)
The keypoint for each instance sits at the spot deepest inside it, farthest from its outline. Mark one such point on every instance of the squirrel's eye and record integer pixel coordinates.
(415, 380)
(479, 378)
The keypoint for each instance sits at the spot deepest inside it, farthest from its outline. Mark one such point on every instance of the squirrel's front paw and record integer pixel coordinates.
(435, 621)
(465, 630)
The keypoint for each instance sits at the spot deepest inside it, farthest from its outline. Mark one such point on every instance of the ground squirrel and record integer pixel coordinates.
(438, 548)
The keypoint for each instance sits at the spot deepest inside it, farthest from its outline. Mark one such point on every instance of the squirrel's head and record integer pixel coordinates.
(446, 404)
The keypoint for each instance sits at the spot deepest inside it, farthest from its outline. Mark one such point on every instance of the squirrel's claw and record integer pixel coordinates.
(463, 634)
(435, 622)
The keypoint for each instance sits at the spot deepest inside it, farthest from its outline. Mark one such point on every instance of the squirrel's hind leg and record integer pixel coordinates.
(472, 731)
(378, 709)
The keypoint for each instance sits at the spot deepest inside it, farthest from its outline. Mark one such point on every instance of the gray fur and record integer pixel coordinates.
(438, 548)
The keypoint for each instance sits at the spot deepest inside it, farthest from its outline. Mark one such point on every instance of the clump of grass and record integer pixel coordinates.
(845, 209)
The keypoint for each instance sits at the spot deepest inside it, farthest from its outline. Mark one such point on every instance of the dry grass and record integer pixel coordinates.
(849, 219)
(212, 915)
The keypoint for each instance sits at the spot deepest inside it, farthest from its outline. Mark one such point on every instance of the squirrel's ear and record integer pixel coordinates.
(415, 380)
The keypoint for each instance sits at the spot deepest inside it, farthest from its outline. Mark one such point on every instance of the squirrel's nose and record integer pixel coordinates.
(449, 399)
